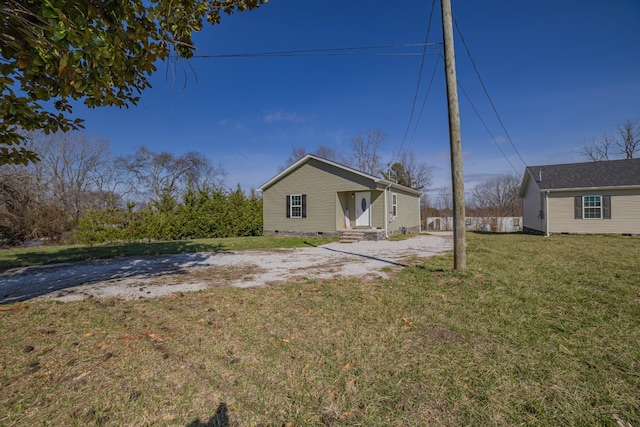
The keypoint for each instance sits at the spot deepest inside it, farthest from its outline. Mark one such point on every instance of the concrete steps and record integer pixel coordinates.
(351, 236)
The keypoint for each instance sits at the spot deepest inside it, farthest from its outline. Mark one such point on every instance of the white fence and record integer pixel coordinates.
(509, 224)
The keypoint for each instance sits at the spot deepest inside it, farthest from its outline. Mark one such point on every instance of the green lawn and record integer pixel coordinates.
(537, 331)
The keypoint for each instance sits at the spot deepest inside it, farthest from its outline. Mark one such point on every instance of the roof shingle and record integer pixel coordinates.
(612, 173)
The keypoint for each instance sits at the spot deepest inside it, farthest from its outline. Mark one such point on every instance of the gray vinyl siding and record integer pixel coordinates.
(532, 204)
(625, 213)
(321, 183)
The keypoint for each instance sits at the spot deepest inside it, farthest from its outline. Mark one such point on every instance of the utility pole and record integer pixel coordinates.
(457, 177)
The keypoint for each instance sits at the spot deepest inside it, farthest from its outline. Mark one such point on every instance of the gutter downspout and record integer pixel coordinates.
(419, 215)
(546, 213)
(386, 213)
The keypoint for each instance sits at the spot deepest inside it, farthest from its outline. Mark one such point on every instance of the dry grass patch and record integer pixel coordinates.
(536, 332)
(219, 275)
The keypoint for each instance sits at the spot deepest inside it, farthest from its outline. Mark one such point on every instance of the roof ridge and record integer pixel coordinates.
(584, 163)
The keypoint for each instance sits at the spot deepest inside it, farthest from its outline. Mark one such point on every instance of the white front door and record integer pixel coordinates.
(363, 213)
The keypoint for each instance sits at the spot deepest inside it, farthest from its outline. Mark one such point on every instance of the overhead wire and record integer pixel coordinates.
(484, 87)
(415, 97)
(433, 74)
(356, 51)
(495, 141)
(338, 51)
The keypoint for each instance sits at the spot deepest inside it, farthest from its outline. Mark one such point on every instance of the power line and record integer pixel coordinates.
(415, 97)
(495, 141)
(339, 51)
(433, 74)
(487, 92)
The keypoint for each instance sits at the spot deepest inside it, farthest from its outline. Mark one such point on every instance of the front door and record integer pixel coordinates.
(363, 212)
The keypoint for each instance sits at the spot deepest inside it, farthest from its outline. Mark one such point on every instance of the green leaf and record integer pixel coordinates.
(49, 13)
(114, 43)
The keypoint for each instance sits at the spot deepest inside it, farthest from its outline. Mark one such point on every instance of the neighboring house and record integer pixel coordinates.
(503, 224)
(315, 197)
(582, 198)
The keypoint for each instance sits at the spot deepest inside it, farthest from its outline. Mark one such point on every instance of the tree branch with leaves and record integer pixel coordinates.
(100, 52)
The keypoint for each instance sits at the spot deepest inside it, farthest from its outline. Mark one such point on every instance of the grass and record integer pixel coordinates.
(537, 331)
(21, 257)
(400, 237)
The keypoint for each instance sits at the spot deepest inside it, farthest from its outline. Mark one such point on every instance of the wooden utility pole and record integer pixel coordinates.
(457, 177)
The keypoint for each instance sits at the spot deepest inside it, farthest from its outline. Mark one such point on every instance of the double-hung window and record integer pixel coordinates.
(297, 206)
(394, 205)
(592, 207)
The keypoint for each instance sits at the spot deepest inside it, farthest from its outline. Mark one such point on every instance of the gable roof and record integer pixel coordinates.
(308, 157)
(589, 175)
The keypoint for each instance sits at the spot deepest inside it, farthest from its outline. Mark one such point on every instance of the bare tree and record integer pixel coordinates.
(597, 149)
(297, 152)
(628, 140)
(427, 210)
(365, 152)
(211, 177)
(323, 151)
(408, 171)
(112, 184)
(328, 153)
(16, 204)
(497, 197)
(445, 199)
(69, 162)
(44, 199)
(164, 173)
(623, 144)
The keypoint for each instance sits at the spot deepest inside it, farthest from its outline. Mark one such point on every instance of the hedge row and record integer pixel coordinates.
(200, 214)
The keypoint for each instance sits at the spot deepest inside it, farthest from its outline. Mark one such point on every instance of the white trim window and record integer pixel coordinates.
(394, 205)
(592, 207)
(296, 206)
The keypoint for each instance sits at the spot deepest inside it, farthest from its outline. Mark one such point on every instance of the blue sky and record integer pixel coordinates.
(558, 71)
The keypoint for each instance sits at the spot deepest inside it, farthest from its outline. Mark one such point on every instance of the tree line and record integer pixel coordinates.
(495, 197)
(80, 191)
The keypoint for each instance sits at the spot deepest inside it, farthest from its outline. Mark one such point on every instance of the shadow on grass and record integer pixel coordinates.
(54, 255)
(367, 256)
(30, 282)
(220, 419)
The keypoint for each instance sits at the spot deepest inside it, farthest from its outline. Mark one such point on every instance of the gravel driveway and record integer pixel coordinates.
(145, 277)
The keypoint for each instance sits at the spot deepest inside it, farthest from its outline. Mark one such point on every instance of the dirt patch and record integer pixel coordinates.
(219, 275)
(146, 277)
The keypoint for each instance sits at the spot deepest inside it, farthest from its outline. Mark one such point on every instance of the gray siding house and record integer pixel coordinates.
(315, 196)
(582, 198)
